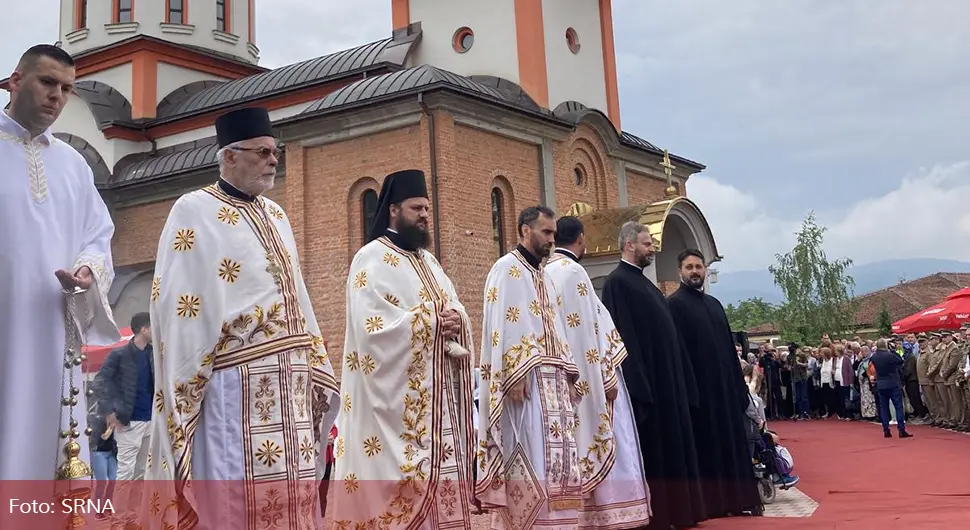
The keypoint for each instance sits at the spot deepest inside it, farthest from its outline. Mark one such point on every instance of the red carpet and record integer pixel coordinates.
(862, 480)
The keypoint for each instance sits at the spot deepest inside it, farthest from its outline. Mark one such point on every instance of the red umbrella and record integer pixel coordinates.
(949, 314)
(97, 354)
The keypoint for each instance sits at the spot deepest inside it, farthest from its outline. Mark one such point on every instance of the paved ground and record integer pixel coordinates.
(852, 477)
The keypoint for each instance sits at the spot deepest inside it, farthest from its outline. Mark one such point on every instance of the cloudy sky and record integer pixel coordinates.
(857, 109)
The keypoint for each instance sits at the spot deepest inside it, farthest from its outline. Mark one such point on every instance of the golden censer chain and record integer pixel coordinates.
(73, 468)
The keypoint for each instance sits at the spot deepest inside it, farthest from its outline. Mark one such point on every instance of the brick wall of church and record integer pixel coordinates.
(470, 163)
(323, 189)
(642, 189)
(598, 185)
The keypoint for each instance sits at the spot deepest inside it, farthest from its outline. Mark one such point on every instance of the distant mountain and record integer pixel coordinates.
(732, 287)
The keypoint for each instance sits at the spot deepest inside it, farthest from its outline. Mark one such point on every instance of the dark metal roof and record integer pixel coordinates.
(106, 104)
(291, 77)
(636, 141)
(510, 91)
(169, 165)
(179, 95)
(102, 174)
(393, 83)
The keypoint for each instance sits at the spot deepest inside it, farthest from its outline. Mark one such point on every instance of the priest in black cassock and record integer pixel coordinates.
(660, 382)
(725, 464)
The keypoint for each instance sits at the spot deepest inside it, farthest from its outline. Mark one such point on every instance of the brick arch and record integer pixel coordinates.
(355, 195)
(588, 157)
(509, 213)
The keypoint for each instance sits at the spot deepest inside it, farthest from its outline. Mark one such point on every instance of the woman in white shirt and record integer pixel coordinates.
(840, 395)
(830, 392)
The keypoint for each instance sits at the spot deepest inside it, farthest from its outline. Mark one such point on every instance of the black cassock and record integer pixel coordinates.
(662, 390)
(722, 450)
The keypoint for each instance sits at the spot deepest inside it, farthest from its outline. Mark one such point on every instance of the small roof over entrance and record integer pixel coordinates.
(603, 226)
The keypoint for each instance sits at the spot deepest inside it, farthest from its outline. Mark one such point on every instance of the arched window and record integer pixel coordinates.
(368, 210)
(498, 224)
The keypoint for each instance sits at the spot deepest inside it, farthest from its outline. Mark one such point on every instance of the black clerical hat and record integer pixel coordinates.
(243, 124)
(398, 186)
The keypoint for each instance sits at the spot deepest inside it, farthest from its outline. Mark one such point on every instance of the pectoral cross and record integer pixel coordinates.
(274, 269)
(671, 191)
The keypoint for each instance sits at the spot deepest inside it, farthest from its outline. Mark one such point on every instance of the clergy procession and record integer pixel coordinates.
(626, 411)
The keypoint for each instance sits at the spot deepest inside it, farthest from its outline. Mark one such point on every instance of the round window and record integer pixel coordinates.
(463, 40)
(572, 40)
(578, 177)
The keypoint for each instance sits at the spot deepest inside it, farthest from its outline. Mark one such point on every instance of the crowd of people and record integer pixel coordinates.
(838, 379)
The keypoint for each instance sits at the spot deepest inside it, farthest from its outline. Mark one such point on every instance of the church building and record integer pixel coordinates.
(504, 104)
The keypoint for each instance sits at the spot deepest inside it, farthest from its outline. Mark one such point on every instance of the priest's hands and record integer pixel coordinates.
(611, 394)
(84, 278)
(519, 391)
(450, 323)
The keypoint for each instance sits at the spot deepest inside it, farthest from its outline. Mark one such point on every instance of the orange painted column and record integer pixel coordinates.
(609, 63)
(144, 85)
(531, 43)
(400, 13)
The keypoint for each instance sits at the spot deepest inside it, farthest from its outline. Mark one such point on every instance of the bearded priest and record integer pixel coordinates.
(405, 434)
(527, 456)
(616, 495)
(661, 383)
(244, 388)
(719, 432)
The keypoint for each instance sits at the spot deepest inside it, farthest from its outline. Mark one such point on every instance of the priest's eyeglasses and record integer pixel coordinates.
(263, 152)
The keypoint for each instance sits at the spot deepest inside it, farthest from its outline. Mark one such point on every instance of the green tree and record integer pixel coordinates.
(884, 322)
(818, 292)
(749, 313)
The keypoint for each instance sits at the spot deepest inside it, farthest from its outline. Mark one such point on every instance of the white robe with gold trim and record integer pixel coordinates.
(53, 218)
(405, 434)
(244, 392)
(522, 338)
(617, 495)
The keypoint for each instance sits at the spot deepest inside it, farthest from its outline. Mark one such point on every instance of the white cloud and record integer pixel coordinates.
(927, 216)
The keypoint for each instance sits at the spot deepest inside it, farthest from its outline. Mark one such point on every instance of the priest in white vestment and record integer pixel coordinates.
(243, 384)
(528, 468)
(57, 235)
(616, 495)
(405, 434)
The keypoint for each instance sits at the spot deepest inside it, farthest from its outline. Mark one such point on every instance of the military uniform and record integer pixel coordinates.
(930, 395)
(950, 371)
(964, 376)
(936, 356)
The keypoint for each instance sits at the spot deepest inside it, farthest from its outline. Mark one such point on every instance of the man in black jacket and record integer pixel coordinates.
(127, 383)
(889, 387)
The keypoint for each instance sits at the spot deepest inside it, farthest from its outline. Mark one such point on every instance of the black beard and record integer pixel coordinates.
(414, 236)
(694, 281)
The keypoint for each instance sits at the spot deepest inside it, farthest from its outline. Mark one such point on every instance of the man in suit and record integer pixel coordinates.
(889, 387)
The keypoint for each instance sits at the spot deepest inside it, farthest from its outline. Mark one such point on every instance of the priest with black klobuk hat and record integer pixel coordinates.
(406, 389)
(244, 393)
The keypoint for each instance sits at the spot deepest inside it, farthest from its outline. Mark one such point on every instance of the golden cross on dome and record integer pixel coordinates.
(671, 191)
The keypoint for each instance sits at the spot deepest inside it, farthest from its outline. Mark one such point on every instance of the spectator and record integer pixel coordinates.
(889, 387)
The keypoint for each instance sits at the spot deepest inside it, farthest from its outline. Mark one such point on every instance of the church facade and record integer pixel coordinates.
(503, 107)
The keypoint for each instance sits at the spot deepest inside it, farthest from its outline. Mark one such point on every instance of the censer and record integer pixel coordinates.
(73, 478)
